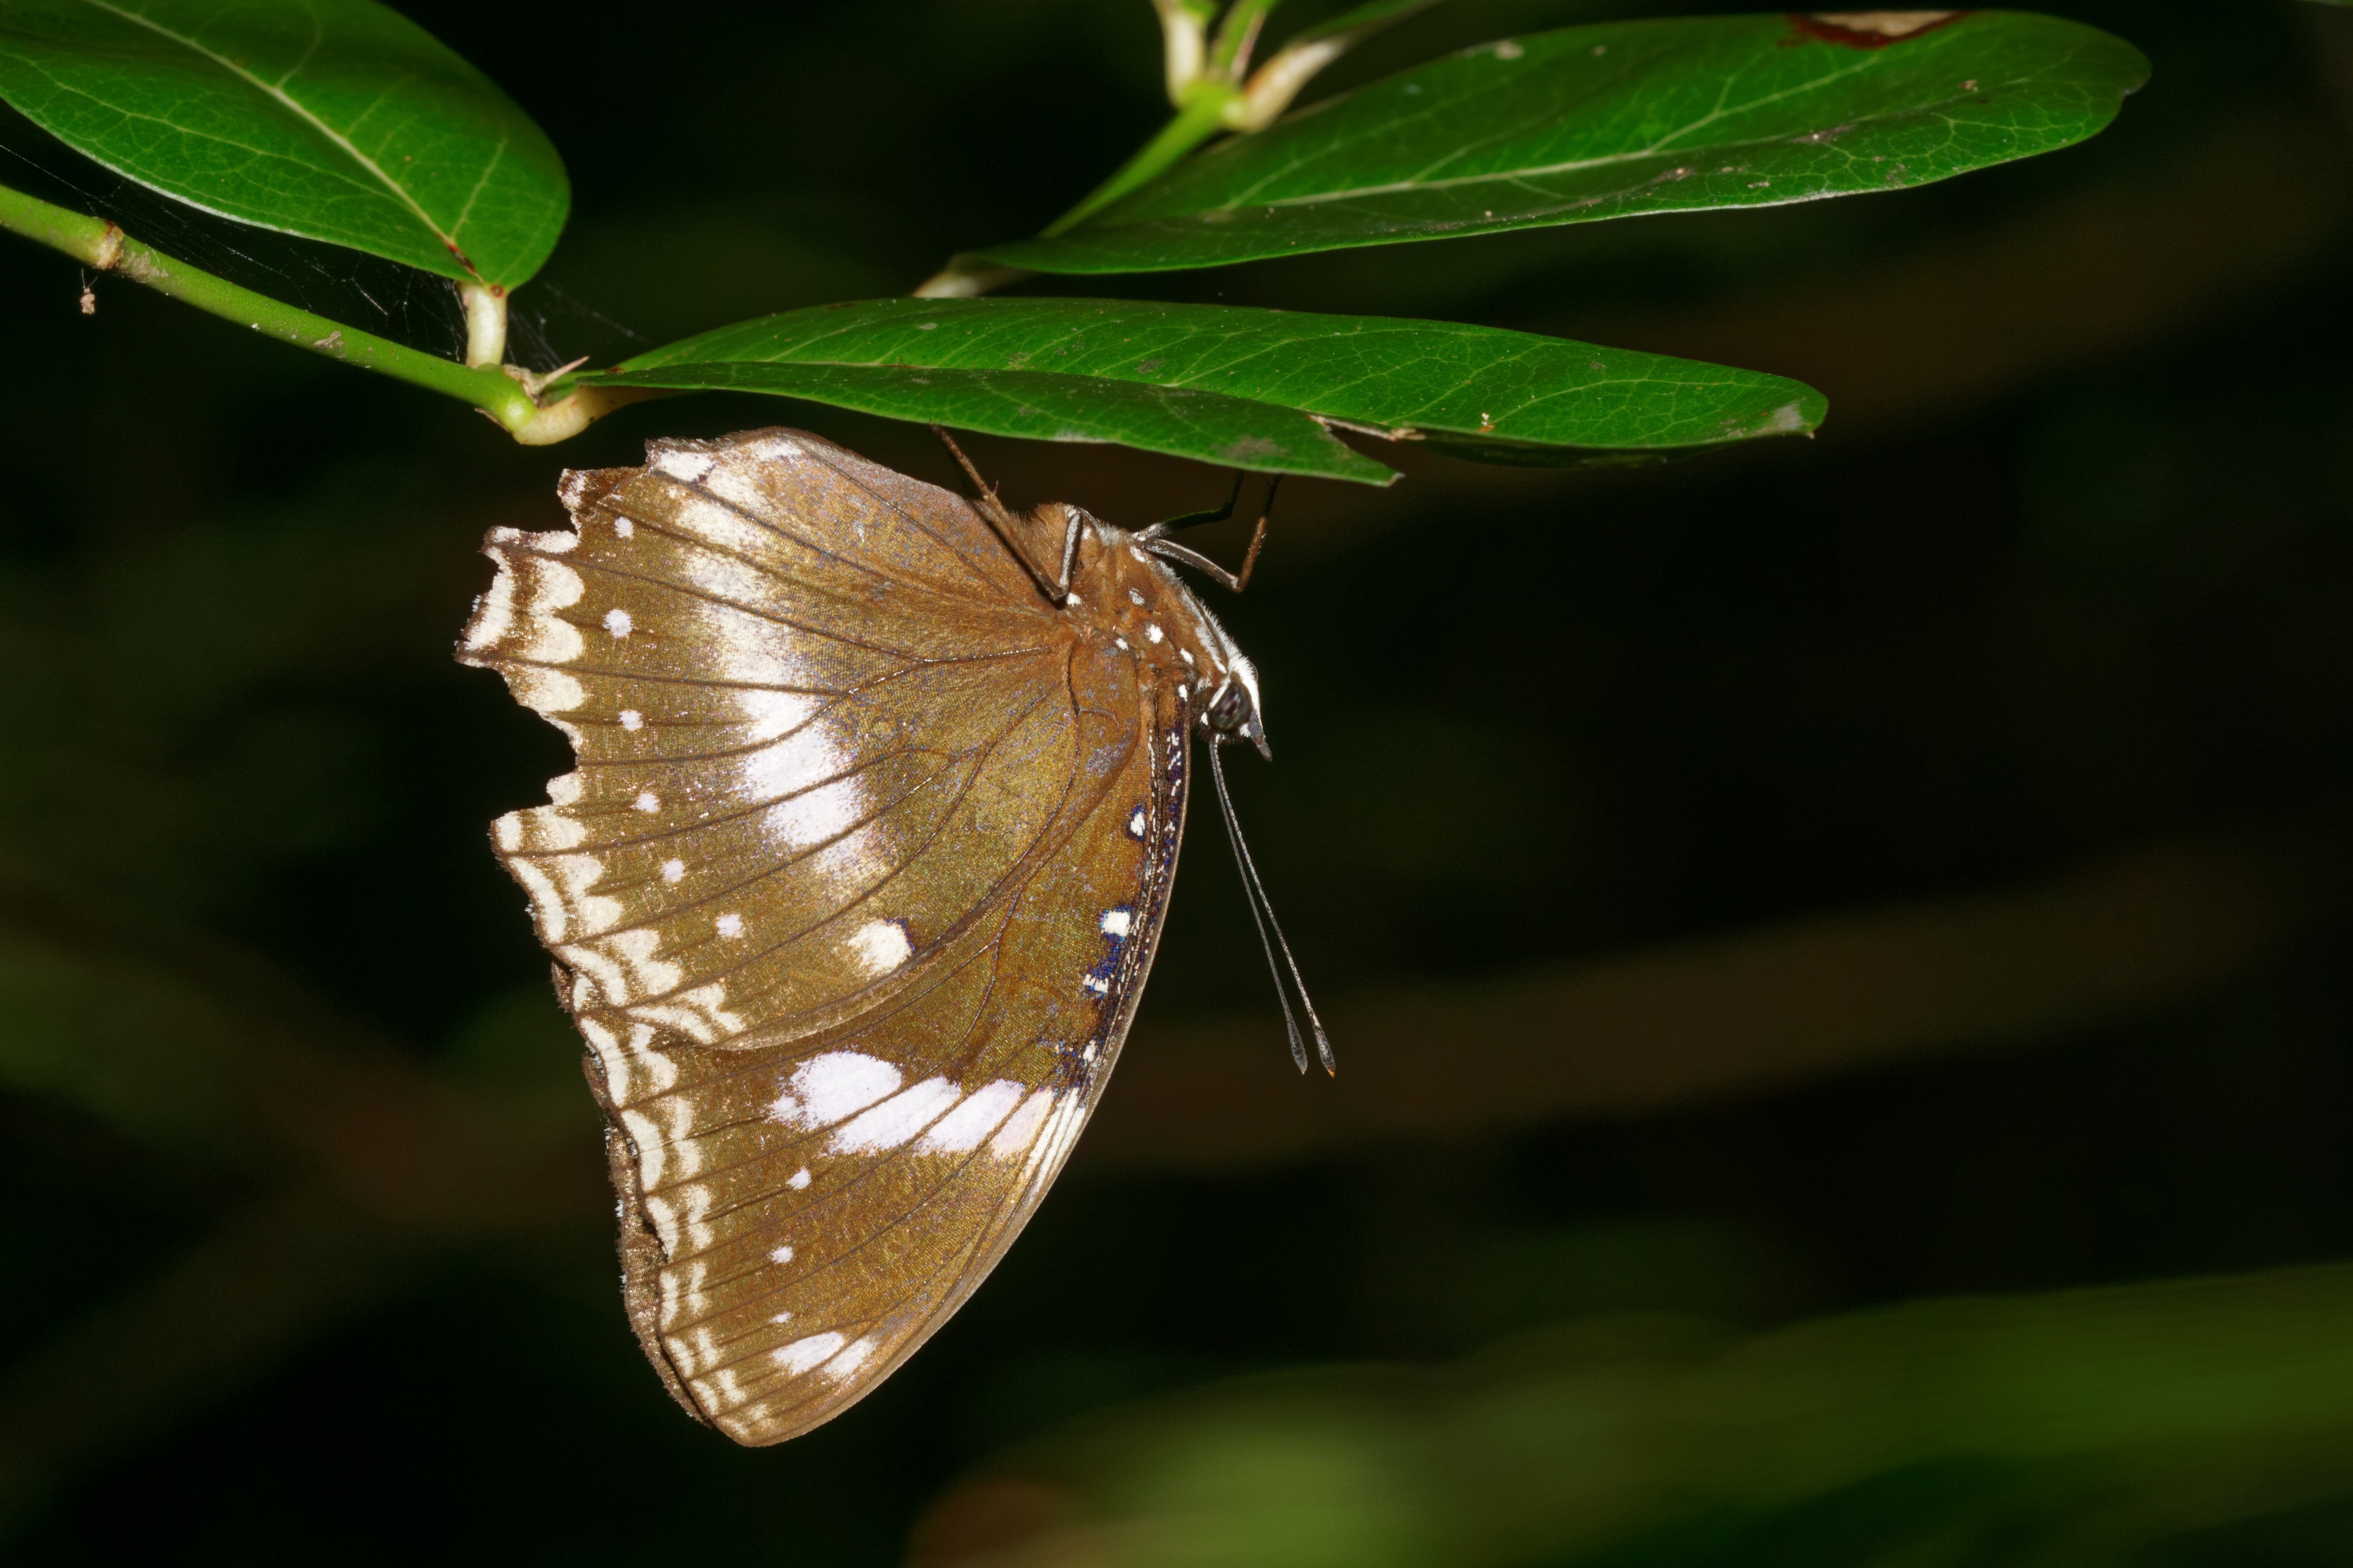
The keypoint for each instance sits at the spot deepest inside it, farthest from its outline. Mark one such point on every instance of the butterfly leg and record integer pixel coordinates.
(1156, 540)
(1196, 518)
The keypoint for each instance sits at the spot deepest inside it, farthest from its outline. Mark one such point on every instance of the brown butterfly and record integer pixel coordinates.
(855, 890)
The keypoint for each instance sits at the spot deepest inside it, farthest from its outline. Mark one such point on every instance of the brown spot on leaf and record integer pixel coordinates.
(1867, 29)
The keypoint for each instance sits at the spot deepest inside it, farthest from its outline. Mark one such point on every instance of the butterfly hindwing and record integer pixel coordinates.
(810, 1212)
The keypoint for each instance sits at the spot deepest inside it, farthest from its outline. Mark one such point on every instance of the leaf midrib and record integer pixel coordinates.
(296, 107)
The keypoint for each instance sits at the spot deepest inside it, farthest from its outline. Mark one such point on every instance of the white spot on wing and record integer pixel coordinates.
(802, 1355)
(632, 719)
(646, 801)
(616, 621)
(813, 817)
(847, 1364)
(1097, 983)
(701, 1013)
(774, 449)
(730, 924)
(493, 612)
(961, 1130)
(1061, 1131)
(771, 714)
(1115, 923)
(653, 1156)
(624, 961)
(546, 900)
(624, 527)
(827, 1088)
(780, 1254)
(1153, 632)
(801, 758)
(880, 945)
(1135, 824)
(542, 635)
(799, 1179)
(896, 1120)
(1013, 1138)
(689, 467)
(673, 870)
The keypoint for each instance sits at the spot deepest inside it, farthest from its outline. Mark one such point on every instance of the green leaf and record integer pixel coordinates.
(1616, 121)
(336, 119)
(1242, 388)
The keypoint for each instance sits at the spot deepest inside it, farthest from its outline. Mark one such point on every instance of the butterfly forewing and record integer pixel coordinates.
(856, 887)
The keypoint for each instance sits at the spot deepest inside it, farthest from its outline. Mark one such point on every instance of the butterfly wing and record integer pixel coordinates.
(853, 894)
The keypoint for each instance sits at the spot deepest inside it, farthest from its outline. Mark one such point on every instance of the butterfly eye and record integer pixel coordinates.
(1230, 711)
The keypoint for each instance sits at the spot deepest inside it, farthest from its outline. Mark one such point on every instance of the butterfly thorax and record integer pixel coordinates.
(1122, 593)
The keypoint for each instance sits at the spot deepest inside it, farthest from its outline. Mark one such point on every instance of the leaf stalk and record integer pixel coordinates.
(1202, 116)
(486, 324)
(1214, 92)
(1237, 36)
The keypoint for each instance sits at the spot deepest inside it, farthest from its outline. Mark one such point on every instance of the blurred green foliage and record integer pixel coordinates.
(2077, 1428)
(310, 1254)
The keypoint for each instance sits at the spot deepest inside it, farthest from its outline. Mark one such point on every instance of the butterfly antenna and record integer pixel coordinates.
(1003, 523)
(1266, 921)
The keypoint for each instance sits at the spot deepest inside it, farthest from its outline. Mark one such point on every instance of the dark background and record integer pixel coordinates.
(1993, 749)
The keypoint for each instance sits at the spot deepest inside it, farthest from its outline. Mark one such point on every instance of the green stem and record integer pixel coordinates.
(1211, 100)
(97, 243)
(1237, 36)
(1202, 118)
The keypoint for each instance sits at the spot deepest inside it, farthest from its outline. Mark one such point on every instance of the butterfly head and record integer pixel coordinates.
(1233, 709)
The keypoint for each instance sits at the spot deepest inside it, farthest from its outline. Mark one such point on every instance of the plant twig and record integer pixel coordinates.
(101, 246)
(1202, 117)
(1214, 92)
